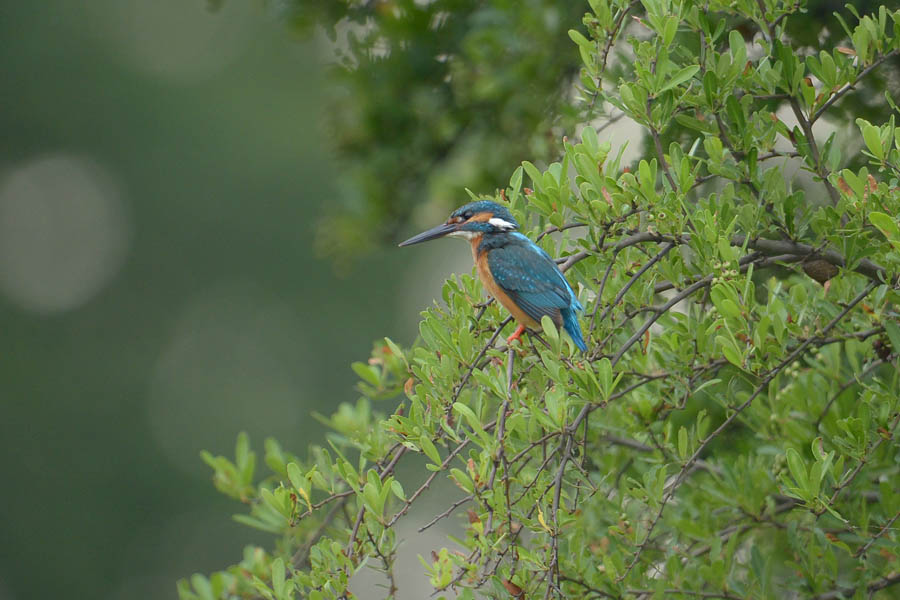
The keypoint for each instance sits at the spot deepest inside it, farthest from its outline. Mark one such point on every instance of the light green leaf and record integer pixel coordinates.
(534, 174)
(680, 77)
(887, 225)
(551, 332)
(202, 586)
(296, 476)
(278, 578)
(429, 449)
(367, 373)
(669, 30)
(590, 139)
(579, 39)
(872, 137)
(468, 414)
(682, 443)
(798, 469)
(397, 490)
(730, 351)
(515, 184)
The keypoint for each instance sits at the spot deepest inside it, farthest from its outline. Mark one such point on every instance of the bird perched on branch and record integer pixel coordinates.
(515, 270)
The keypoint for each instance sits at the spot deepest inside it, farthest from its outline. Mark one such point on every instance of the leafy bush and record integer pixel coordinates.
(731, 431)
(426, 94)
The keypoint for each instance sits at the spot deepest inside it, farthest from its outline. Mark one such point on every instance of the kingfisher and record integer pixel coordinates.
(513, 269)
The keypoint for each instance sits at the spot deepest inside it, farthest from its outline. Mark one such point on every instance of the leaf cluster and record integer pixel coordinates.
(428, 96)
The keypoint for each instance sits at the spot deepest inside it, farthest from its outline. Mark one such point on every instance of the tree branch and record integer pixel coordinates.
(849, 86)
(682, 474)
(880, 584)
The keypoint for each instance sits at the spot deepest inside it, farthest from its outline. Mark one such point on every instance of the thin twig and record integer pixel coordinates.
(483, 351)
(659, 313)
(875, 537)
(682, 474)
(348, 550)
(849, 86)
(445, 513)
(857, 378)
(846, 481)
(659, 256)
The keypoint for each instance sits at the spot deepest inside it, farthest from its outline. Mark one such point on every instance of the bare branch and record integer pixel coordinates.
(875, 537)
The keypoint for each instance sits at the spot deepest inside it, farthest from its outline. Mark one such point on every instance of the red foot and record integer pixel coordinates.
(519, 331)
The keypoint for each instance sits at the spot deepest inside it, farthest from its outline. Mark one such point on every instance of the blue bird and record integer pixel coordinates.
(515, 270)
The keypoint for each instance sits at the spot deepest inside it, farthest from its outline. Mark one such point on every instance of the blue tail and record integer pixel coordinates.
(570, 324)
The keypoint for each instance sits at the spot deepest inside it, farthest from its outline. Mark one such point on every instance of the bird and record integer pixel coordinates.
(518, 273)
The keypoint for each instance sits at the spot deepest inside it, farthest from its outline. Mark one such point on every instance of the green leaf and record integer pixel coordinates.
(367, 373)
(872, 137)
(887, 225)
(462, 479)
(680, 77)
(428, 448)
(590, 139)
(278, 578)
(296, 476)
(242, 449)
(397, 490)
(515, 184)
(798, 470)
(371, 498)
(604, 371)
(395, 349)
(735, 112)
(579, 39)
(730, 351)
(723, 298)
(184, 590)
(262, 525)
(669, 30)
(710, 87)
(534, 174)
(829, 69)
(202, 586)
(550, 331)
(277, 499)
(737, 47)
(469, 415)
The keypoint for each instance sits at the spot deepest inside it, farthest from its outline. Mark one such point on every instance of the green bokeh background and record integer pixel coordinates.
(200, 132)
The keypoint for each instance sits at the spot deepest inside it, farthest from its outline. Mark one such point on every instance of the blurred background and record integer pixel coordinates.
(182, 255)
(162, 170)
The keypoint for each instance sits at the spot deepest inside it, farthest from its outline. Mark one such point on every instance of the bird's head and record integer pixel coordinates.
(470, 221)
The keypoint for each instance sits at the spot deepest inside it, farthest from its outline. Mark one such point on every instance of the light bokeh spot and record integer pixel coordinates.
(235, 361)
(63, 233)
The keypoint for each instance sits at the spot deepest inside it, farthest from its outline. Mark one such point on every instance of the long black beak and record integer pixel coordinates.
(432, 234)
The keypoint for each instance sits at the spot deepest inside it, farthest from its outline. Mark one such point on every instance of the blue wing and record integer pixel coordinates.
(535, 284)
(531, 280)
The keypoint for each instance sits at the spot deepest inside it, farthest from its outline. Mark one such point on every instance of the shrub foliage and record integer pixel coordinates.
(732, 430)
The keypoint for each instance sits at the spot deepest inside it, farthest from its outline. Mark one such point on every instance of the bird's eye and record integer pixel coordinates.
(467, 215)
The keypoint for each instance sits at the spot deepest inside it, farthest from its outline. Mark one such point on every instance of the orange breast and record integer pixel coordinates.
(484, 273)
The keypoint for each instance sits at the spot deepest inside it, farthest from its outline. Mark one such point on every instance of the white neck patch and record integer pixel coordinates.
(501, 224)
(462, 233)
